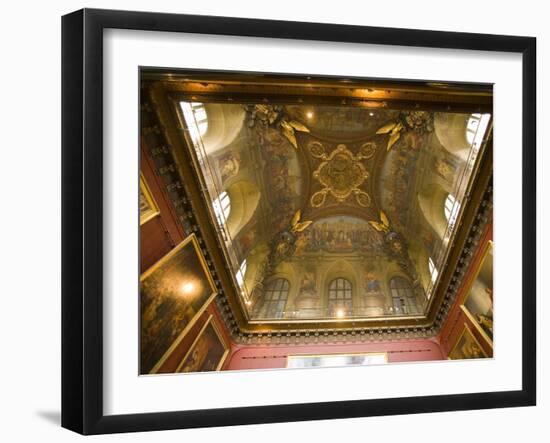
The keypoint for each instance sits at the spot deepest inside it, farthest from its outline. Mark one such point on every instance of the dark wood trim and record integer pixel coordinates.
(529, 219)
(249, 87)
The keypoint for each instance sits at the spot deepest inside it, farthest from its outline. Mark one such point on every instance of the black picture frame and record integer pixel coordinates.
(82, 219)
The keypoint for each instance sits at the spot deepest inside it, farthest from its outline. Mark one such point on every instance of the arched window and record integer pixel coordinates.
(403, 297)
(339, 298)
(275, 296)
(476, 127)
(241, 273)
(471, 127)
(451, 209)
(222, 207)
(433, 270)
(195, 117)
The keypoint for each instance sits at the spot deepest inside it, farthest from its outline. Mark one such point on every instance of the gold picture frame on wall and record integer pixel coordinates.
(148, 208)
(174, 293)
(478, 307)
(208, 351)
(467, 347)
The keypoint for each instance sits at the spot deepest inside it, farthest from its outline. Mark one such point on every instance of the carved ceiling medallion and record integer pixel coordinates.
(341, 173)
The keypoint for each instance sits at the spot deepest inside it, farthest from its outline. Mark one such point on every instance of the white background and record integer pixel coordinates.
(30, 234)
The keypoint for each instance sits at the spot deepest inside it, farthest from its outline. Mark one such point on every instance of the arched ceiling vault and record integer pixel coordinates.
(343, 175)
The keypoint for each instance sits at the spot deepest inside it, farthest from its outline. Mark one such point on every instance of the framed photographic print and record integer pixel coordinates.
(249, 204)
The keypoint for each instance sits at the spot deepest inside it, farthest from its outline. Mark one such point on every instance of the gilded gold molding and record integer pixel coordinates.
(151, 210)
(341, 173)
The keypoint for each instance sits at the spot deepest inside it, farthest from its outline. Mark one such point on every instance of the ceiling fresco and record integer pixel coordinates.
(353, 208)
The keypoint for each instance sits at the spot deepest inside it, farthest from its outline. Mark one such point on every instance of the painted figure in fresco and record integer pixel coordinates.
(301, 243)
(373, 285)
(307, 285)
(229, 165)
(414, 140)
(430, 241)
(342, 235)
(307, 298)
(246, 241)
(445, 169)
(281, 186)
(373, 292)
(283, 247)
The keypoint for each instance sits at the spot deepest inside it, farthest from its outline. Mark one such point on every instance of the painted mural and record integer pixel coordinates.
(340, 234)
(347, 122)
(334, 183)
(247, 240)
(401, 171)
(372, 286)
(282, 177)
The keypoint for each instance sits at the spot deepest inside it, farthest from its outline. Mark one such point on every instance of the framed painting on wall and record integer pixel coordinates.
(478, 304)
(331, 211)
(147, 206)
(173, 294)
(467, 347)
(207, 353)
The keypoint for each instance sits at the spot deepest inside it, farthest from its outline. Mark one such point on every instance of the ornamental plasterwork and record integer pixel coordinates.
(341, 173)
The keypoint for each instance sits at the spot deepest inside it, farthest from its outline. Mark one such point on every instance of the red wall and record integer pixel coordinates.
(162, 233)
(264, 357)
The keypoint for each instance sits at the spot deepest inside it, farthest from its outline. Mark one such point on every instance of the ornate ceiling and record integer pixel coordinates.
(347, 204)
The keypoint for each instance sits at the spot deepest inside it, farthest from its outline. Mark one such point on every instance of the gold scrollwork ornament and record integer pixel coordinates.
(362, 198)
(341, 174)
(318, 199)
(317, 150)
(367, 150)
